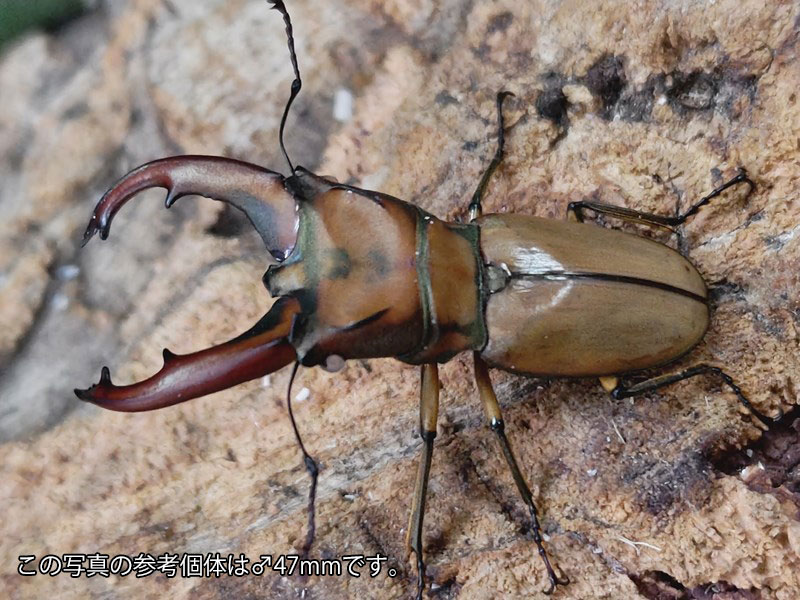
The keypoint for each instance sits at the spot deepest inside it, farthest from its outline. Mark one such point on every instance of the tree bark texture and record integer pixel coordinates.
(649, 105)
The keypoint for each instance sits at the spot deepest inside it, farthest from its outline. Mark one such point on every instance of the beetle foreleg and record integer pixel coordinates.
(623, 391)
(256, 191)
(257, 352)
(497, 425)
(575, 209)
(428, 416)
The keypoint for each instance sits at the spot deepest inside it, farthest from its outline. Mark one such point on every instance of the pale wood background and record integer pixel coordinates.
(648, 104)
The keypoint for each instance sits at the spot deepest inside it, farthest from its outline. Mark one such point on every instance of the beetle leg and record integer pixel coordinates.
(311, 468)
(261, 350)
(475, 208)
(575, 209)
(428, 415)
(497, 425)
(256, 191)
(623, 391)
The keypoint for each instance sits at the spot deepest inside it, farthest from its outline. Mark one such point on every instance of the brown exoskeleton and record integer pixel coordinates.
(525, 294)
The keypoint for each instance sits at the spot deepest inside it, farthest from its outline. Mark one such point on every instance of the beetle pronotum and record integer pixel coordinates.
(524, 294)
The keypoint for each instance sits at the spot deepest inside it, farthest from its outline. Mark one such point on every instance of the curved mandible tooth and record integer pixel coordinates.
(261, 350)
(258, 192)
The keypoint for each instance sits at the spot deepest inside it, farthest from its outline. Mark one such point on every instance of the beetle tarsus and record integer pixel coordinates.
(420, 576)
(313, 472)
(575, 209)
(554, 579)
(624, 391)
(418, 508)
(498, 426)
(741, 177)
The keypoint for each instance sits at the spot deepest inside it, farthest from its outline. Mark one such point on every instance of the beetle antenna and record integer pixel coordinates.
(311, 467)
(297, 83)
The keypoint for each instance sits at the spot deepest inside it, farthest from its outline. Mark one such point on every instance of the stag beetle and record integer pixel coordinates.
(524, 294)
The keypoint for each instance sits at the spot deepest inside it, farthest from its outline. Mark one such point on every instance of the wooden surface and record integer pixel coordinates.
(648, 106)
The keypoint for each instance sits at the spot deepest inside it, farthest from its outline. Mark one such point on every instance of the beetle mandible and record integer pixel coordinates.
(529, 295)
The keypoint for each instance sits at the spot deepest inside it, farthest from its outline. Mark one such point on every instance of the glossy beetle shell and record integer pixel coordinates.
(373, 276)
(574, 299)
(376, 276)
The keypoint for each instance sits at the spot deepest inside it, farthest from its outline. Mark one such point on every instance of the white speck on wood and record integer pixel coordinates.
(343, 105)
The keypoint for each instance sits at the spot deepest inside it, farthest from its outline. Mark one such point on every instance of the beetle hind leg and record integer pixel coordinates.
(575, 209)
(620, 390)
(498, 426)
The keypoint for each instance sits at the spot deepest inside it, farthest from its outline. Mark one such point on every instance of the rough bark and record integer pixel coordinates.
(650, 107)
